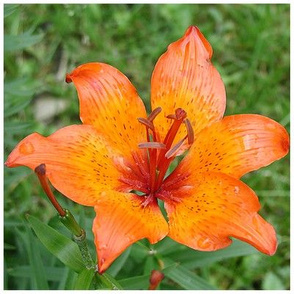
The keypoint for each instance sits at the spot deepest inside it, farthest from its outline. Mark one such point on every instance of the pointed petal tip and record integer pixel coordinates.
(191, 29)
(270, 250)
(102, 266)
(8, 163)
(195, 32)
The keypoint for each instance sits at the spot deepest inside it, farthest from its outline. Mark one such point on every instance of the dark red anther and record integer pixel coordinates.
(154, 113)
(146, 123)
(171, 152)
(190, 131)
(171, 116)
(151, 145)
(162, 152)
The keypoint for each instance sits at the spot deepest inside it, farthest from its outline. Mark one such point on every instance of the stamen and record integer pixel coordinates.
(152, 145)
(40, 170)
(171, 116)
(154, 113)
(174, 150)
(146, 122)
(180, 114)
(190, 131)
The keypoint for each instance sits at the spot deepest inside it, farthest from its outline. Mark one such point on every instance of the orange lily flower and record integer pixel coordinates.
(119, 151)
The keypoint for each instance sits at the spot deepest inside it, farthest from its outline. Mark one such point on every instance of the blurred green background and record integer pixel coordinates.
(42, 42)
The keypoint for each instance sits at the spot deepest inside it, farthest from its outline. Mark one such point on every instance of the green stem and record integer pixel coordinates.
(79, 237)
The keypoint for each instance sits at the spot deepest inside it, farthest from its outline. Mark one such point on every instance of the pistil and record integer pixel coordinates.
(40, 170)
(161, 154)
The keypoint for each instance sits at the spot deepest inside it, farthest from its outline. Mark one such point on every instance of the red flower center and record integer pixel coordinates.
(159, 154)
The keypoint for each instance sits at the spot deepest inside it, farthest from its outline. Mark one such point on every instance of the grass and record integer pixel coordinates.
(42, 42)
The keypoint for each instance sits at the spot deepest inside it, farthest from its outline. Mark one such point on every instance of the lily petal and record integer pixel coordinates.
(216, 208)
(78, 161)
(185, 78)
(121, 220)
(237, 145)
(110, 103)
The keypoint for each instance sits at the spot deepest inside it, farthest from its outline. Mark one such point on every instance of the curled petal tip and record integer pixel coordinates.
(68, 78)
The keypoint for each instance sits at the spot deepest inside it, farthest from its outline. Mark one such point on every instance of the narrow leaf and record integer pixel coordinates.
(13, 109)
(63, 248)
(135, 283)
(110, 282)
(84, 279)
(191, 259)
(37, 272)
(187, 279)
(13, 43)
(9, 9)
(24, 271)
(167, 246)
(119, 263)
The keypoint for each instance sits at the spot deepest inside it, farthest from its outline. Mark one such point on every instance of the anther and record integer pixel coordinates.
(154, 113)
(152, 145)
(171, 116)
(190, 131)
(146, 122)
(170, 153)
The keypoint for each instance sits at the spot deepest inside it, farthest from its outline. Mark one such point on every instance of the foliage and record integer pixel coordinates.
(43, 42)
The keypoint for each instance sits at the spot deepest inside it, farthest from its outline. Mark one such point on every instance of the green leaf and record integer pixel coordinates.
(167, 246)
(150, 264)
(119, 263)
(38, 274)
(5, 280)
(9, 9)
(272, 282)
(16, 126)
(20, 87)
(14, 43)
(191, 259)
(187, 279)
(142, 282)
(24, 271)
(110, 282)
(67, 279)
(84, 279)
(13, 109)
(9, 246)
(135, 283)
(66, 250)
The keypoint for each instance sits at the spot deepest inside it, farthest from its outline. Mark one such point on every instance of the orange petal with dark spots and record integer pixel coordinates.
(110, 103)
(214, 208)
(237, 145)
(78, 161)
(121, 220)
(184, 77)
